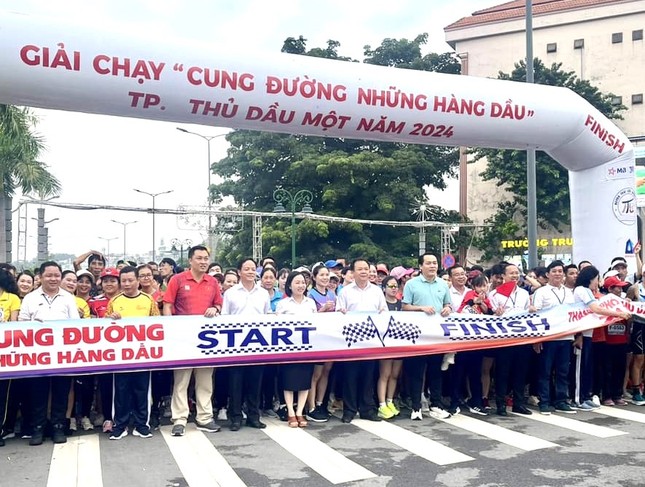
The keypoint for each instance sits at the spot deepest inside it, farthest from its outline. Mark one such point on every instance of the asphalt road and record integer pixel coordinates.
(604, 448)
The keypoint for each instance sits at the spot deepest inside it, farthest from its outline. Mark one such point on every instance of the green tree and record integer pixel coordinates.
(348, 178)
(508, 167)
(20, 168)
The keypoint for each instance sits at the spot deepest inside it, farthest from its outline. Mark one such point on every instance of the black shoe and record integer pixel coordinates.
(255, 423)
(318, 415)
(371, 417)
(36, 438)
(522, 410)
(154, 422)
(235, 426)
(347, 418)
(282, 413)
(1, 441)
(501, 411)
(58, 434)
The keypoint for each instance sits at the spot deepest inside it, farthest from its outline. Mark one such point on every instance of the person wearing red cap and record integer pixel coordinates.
(381, 273)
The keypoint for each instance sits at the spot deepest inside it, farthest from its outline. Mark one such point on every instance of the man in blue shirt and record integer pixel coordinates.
(429, 294)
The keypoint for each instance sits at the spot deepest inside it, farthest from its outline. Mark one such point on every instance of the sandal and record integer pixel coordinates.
(292, 421)
(302, 422)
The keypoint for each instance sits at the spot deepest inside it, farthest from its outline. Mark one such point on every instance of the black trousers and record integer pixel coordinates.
(358, 387)
(39, 389)
(132, 399)
(269, 384)
(83, 394)
(613, 366)
(18, 400)
(244, 383)
(414, 370)
(5, 390)
(511, 364)
(160, 386)
(468, 365)
(106, 387)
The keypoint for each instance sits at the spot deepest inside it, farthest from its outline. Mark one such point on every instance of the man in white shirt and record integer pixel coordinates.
(48, 303)
(458, 289)
(249, 298)
(554, 355)
(358, 375)
(510, 362)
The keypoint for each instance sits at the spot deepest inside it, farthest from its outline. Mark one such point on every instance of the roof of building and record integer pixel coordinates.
(517, 9)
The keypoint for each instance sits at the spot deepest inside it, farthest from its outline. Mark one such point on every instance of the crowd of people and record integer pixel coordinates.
(564, 375)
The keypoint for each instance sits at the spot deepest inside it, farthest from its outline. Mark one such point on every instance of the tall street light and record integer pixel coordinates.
(108, 239)
(154, 239)
(125, 224)
(283, 198)
(208, 139)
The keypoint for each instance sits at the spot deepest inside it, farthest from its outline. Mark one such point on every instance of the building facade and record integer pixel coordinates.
(601, 40)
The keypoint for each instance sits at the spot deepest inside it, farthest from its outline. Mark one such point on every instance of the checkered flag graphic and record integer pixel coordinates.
(402, 331)
(359, 332)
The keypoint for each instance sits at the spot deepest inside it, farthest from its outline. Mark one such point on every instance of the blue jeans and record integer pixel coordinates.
(554, 357)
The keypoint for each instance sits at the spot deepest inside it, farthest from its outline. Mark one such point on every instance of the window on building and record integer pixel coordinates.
(637, 35)
(616, 100)
(578, 43)
(637, 99)
(617, 38)
(552, 47)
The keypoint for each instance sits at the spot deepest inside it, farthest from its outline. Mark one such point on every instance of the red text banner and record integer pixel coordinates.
(102, 345)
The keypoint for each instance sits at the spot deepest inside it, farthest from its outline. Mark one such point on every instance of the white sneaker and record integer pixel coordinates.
(72, 424)
(439, 413)
(596, 400)
(86, 424)
(533, 401)
(221, 415)
(425, 406)
(416, 415)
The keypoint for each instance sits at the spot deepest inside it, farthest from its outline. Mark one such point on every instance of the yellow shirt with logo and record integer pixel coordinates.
(8, 304)
(140, 305)
(83, 307)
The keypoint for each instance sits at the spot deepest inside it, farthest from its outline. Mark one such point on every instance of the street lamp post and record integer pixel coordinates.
(283, 198)
(108, 239)
(154, 239)
(208, 139)
(125, 224)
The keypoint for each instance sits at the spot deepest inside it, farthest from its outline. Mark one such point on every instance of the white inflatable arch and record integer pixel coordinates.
(78, 68)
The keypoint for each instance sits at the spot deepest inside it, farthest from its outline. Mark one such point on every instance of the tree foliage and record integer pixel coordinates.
(508, 167)
(20, 167)
(348, 178)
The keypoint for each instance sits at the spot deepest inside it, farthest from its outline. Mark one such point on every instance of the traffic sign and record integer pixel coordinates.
(448, 260)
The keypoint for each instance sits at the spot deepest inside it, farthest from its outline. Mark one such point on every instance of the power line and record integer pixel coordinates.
(252, 213)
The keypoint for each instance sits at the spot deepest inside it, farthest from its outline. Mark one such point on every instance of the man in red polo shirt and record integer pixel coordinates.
(193, 292)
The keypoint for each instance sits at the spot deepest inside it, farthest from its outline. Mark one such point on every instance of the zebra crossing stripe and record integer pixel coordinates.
(199, 461)
(318, 456)
(499, 433)
(431, 450)
(617, 412)
(76, 463)
(574, 425)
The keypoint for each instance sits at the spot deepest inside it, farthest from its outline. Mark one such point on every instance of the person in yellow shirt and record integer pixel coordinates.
(9, 308)
(131, 389)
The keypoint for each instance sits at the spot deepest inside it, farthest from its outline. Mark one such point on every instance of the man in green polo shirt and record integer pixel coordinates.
(429, 294)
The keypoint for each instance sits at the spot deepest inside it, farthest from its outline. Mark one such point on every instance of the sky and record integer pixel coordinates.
(102, 159)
